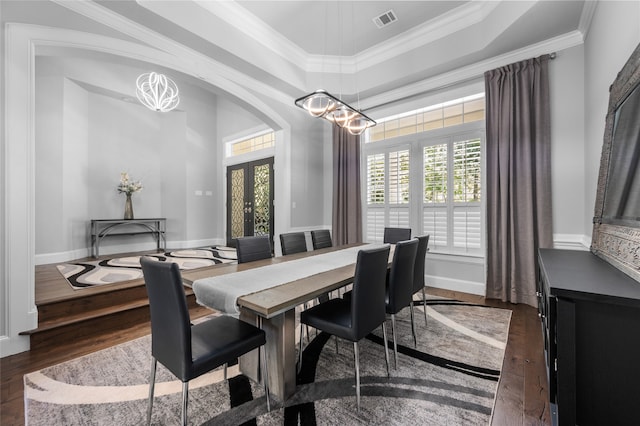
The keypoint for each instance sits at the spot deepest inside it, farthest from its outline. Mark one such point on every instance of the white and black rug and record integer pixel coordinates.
(450, 379)
(119, 269)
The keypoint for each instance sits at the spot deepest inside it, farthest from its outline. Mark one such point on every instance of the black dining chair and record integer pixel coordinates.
(355, 318)
(418, 280)
(400, 285)
(321, 238)
(293, 242)
(187, 350)
(253, 248)
(393, 235)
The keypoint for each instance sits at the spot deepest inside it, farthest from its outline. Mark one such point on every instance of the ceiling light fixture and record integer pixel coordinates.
(157, 92)
(323, 104)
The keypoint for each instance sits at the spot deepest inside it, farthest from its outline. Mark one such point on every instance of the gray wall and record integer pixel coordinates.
(614, 33)
(85, 137)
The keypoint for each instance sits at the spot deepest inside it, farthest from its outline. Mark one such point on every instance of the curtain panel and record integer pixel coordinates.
(518, 162)
(347, 207)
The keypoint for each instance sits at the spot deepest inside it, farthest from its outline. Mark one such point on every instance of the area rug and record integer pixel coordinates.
(449, 379)
(119, 269)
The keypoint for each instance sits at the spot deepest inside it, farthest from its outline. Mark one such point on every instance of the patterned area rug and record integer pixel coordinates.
(449, 379)
(109, 271)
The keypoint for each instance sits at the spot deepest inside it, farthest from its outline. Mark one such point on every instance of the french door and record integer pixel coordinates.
(250, 200)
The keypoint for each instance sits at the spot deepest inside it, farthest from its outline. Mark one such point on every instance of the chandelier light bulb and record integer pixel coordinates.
(319, 104)
(157, 92)
(342, 116)
(357, 126)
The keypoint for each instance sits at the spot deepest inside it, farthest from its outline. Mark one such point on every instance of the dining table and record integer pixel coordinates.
(266, 293)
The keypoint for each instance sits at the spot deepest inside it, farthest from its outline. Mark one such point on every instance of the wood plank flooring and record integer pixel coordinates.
(521, 397)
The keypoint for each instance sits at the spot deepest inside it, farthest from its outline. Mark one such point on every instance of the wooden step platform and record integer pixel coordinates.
(66, 314)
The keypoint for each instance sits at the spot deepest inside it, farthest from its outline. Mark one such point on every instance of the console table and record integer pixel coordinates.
(590, 314)
(101, 228)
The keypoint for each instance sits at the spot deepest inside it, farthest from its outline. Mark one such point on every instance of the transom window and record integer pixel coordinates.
(251, 144)
(447, 114)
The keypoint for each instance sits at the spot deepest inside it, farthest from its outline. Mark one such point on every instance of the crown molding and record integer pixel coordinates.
(472, 72)
(444, 25)
(588, 11)
(190, 62)
(252, 26)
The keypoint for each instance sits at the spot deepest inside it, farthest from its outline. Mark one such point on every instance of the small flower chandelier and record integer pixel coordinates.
(157, 92)
(322, 104)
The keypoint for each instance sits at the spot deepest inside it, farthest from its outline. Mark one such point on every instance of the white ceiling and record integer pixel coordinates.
(294, 47)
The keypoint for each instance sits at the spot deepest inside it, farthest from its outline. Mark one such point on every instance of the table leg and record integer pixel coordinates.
(281, 353)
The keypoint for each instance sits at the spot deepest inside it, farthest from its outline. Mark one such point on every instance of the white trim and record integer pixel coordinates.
(66, 256)
(470, 287)
(19, 161)
(455, 258)
(185, 59)
(21, 42)
(248, 157)
(474, 71)
(442, 26)
(588, 10)
(571, 241)
(247, 134)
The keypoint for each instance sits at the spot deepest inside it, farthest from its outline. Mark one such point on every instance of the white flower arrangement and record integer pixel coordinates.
(127, 185)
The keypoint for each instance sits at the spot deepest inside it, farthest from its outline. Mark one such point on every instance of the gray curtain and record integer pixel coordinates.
(347, 208)
(518, 177)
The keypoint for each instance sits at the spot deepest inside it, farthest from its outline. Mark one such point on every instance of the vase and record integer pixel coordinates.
(128, 208)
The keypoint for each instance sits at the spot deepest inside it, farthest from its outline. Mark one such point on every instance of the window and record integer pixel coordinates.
(251, 144)
(441, 193)
(447, 114)
(451, 211)
(387, 192)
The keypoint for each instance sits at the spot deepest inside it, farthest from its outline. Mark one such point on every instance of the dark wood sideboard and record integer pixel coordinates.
(590, 315)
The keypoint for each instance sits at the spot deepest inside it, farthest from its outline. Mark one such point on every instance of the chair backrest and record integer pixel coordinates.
(393, 235)
(170, 324)
(368, 294)
(253, 248)
(401, 275)
(293, 242)
(321, 238)
(418, 270)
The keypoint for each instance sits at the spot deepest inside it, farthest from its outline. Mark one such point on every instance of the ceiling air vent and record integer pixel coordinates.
(385, 19)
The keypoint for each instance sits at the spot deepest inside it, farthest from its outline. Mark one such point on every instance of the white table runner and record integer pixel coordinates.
(221, 293)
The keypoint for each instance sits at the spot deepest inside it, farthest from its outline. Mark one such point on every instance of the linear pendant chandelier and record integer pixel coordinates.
(157, 92)
(322, 104)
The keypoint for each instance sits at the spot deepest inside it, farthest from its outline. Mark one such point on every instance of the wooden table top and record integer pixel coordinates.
(275, 300)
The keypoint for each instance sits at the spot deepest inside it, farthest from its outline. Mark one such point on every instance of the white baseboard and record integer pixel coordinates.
(13, 345)
(571, 241)
(47, 258)
(452, 284)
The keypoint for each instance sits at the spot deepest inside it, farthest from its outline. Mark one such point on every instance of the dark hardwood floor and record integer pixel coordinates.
(522, 391)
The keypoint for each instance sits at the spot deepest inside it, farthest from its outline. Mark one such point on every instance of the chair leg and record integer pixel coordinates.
(300, 351)
(413, 326)
(357, 362)
(386, 347)
(225, 371)
(335, 338)
(152, 384)
(395, 344)
(424, 305)
(185, 402)
(265, 376)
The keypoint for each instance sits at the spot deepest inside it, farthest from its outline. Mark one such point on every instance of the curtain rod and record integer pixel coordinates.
(552, 56)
